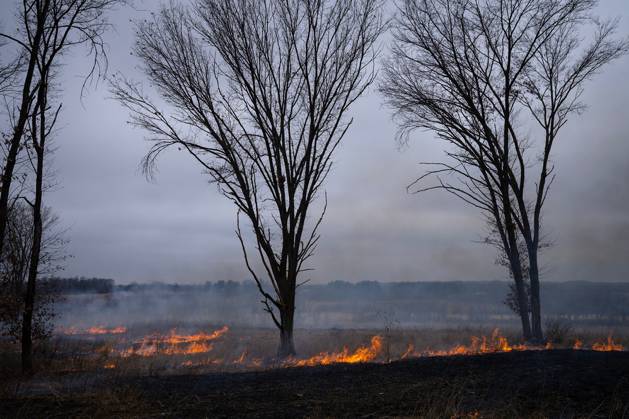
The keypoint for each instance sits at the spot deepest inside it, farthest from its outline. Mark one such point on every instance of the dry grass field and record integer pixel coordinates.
(214, 371)
(157, 349)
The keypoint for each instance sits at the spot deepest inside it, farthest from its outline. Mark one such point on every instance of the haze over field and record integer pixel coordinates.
(179, 229)
(341, 305)
(229, 208)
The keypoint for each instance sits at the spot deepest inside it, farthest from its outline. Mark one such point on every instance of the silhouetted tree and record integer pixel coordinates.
(257, 93)
(45, 30)
(482, 74)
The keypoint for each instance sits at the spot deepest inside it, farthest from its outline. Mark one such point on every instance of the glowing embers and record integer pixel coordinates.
(174, 344)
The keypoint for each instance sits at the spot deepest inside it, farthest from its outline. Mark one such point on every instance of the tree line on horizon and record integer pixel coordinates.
(258, 93)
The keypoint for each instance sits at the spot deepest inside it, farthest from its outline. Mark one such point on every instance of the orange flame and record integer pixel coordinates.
(608, 346)
(482, 345)
(362, 354)
(174, 344)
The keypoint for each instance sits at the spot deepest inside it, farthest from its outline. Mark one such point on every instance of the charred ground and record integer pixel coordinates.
(552, 383)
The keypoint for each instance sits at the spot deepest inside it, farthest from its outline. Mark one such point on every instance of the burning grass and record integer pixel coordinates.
(78, 370)
(162, 349)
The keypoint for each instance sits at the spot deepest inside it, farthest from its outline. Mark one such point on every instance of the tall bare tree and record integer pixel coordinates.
(61, 25)
(481, 74)
(39, 129)
(47, 29)
(549, 88)
(257, 92)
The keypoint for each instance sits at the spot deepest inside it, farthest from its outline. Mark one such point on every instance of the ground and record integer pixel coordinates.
(537, 383)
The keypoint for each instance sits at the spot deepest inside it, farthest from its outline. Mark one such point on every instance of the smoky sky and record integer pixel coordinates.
(177, 227)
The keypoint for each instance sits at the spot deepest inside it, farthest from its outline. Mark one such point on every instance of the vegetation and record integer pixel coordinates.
(258, 93)
(496, 81)
(44, 31)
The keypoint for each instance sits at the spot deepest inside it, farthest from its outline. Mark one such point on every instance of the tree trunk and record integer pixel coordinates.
(27, 334)
(518, 278)
(536, 309)
(523, 309)
(287, 345)
(29, 300)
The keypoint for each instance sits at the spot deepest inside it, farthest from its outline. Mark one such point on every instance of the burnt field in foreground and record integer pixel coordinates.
(551, 383)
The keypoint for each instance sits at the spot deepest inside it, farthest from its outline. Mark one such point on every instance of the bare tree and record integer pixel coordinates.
(431, 82)
(549, 88)
(257, 92)
(46, 29)
(480, 74)
(39, 129)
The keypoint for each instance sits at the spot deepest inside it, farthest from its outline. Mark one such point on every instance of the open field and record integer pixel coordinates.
(212, 370)
(556, 383)
(162, 348)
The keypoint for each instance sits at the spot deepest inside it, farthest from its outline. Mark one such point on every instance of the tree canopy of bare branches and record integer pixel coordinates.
(46, 30)
(257, 92)
(497, 80)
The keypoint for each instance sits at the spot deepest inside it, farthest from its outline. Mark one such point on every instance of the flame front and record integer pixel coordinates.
(362, 354)
(174, 344)
(482, 345)
(608, 346)
(177, 344)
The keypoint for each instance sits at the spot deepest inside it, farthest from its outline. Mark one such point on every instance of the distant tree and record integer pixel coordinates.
(257, 92)
(497, 80)
(81, 285)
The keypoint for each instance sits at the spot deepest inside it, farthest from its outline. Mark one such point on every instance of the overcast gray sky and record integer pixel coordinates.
(178, 228)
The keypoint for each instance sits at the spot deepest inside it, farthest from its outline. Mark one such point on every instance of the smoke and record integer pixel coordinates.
(342, 305)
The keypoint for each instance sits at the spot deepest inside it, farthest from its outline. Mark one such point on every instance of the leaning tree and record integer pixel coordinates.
(257, 92)
(496, 80)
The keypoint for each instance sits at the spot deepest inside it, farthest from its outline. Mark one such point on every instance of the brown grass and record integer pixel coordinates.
(93, 354)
